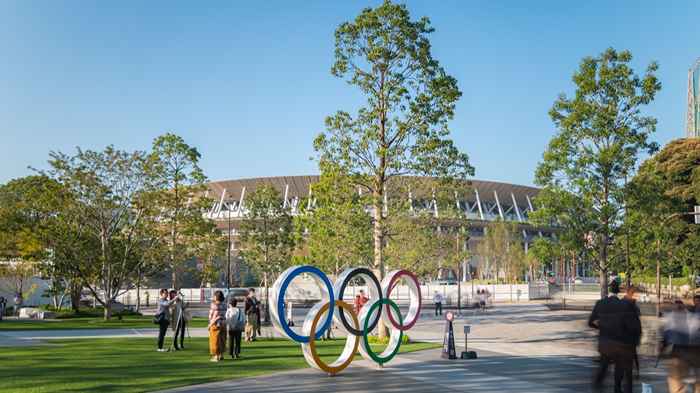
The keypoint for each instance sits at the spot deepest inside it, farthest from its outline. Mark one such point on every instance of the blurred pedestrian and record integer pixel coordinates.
(631, 298)
(3, 305)
(252, 313)
(619, 330)
(217, 328)
(681, 339)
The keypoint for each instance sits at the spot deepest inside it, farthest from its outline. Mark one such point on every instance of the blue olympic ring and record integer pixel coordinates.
(281, 306)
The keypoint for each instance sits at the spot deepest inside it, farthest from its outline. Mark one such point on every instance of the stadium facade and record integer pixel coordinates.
(481, 203)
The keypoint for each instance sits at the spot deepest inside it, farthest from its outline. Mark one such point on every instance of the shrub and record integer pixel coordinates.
(385, 340)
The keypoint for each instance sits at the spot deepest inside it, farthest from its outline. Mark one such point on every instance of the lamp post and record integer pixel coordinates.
(695, 213)
(228, 252)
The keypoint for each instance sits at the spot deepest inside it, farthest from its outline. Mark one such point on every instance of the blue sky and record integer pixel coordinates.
(248, 83)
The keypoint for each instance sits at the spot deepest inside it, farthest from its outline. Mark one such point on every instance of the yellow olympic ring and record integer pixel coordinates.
(350, 350)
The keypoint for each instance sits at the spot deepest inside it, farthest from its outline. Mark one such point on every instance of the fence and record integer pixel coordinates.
(306, 291)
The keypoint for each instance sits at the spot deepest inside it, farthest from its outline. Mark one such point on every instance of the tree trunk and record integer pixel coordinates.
(378, 236)
(108, 308)
(604, 268)
(267, 299)
(138, 293)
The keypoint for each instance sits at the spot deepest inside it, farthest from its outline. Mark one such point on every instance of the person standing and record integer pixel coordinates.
(3, 304)
(682, 335)
(235, 322)
(252, 313)
(217, 329)
(162, 317)
(179, 321)
(437, 300)
(619, 329)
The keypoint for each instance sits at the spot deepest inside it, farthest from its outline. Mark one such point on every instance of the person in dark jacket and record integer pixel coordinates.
(631, 298)
(619, 331)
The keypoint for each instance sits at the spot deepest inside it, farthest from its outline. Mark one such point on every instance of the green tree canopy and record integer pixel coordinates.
(402, 126)
(601, 133)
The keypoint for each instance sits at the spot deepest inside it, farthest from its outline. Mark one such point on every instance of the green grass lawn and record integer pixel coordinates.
(127, 322)
(133, 365)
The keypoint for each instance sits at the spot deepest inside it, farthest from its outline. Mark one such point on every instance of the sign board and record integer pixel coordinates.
(467, 329)
(448, 344)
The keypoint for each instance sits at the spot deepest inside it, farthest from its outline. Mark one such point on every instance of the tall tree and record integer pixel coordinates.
(267, 235)
(336, 231)
(182, 182)
(402, 129)
(109, 210)
(601, 134)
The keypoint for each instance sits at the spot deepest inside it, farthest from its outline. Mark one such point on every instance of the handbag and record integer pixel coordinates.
(159, 318)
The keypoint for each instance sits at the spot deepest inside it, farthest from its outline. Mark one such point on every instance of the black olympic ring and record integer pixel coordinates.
(359, 272)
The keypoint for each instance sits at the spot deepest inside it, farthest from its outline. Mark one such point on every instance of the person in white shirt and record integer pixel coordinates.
(437, 299)
(235, 323)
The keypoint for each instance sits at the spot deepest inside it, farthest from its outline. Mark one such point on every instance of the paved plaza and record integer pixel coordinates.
(522, 348)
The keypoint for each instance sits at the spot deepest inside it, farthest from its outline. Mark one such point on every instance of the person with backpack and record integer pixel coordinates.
(162, 316)
(235, 323)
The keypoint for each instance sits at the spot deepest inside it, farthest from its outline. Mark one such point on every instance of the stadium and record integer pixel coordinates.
(481, 203)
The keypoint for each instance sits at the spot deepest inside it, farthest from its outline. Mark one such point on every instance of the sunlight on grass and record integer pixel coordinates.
(133, 365)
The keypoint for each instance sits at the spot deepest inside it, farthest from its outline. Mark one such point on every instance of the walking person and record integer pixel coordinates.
(179, 318)
(631, 298)
(162, 317)
(682, 338)
(217, 328)
(619, 329)
(235, 323)
(437, 300)
(252, 314)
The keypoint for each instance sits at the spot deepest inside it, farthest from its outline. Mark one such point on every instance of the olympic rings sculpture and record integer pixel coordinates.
(358, 327)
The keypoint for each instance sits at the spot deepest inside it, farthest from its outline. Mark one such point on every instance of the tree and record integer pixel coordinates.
(425, 231)
(181, 182)
(266, 234)
(29, 208)
(666, 187)
(336, 231)
(402, 129)
(540, 253)
(502, 250)
(601, 134)
(17, 276)
(108, 217)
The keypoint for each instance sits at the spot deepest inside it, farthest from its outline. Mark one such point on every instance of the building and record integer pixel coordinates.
(481, 203)
(693, 121)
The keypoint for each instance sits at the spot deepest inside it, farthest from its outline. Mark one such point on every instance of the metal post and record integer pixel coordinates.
(228, 256)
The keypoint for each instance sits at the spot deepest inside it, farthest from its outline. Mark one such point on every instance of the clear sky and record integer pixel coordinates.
(248, 83)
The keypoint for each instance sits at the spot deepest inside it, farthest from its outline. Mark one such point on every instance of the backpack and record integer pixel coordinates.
(235, 320)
